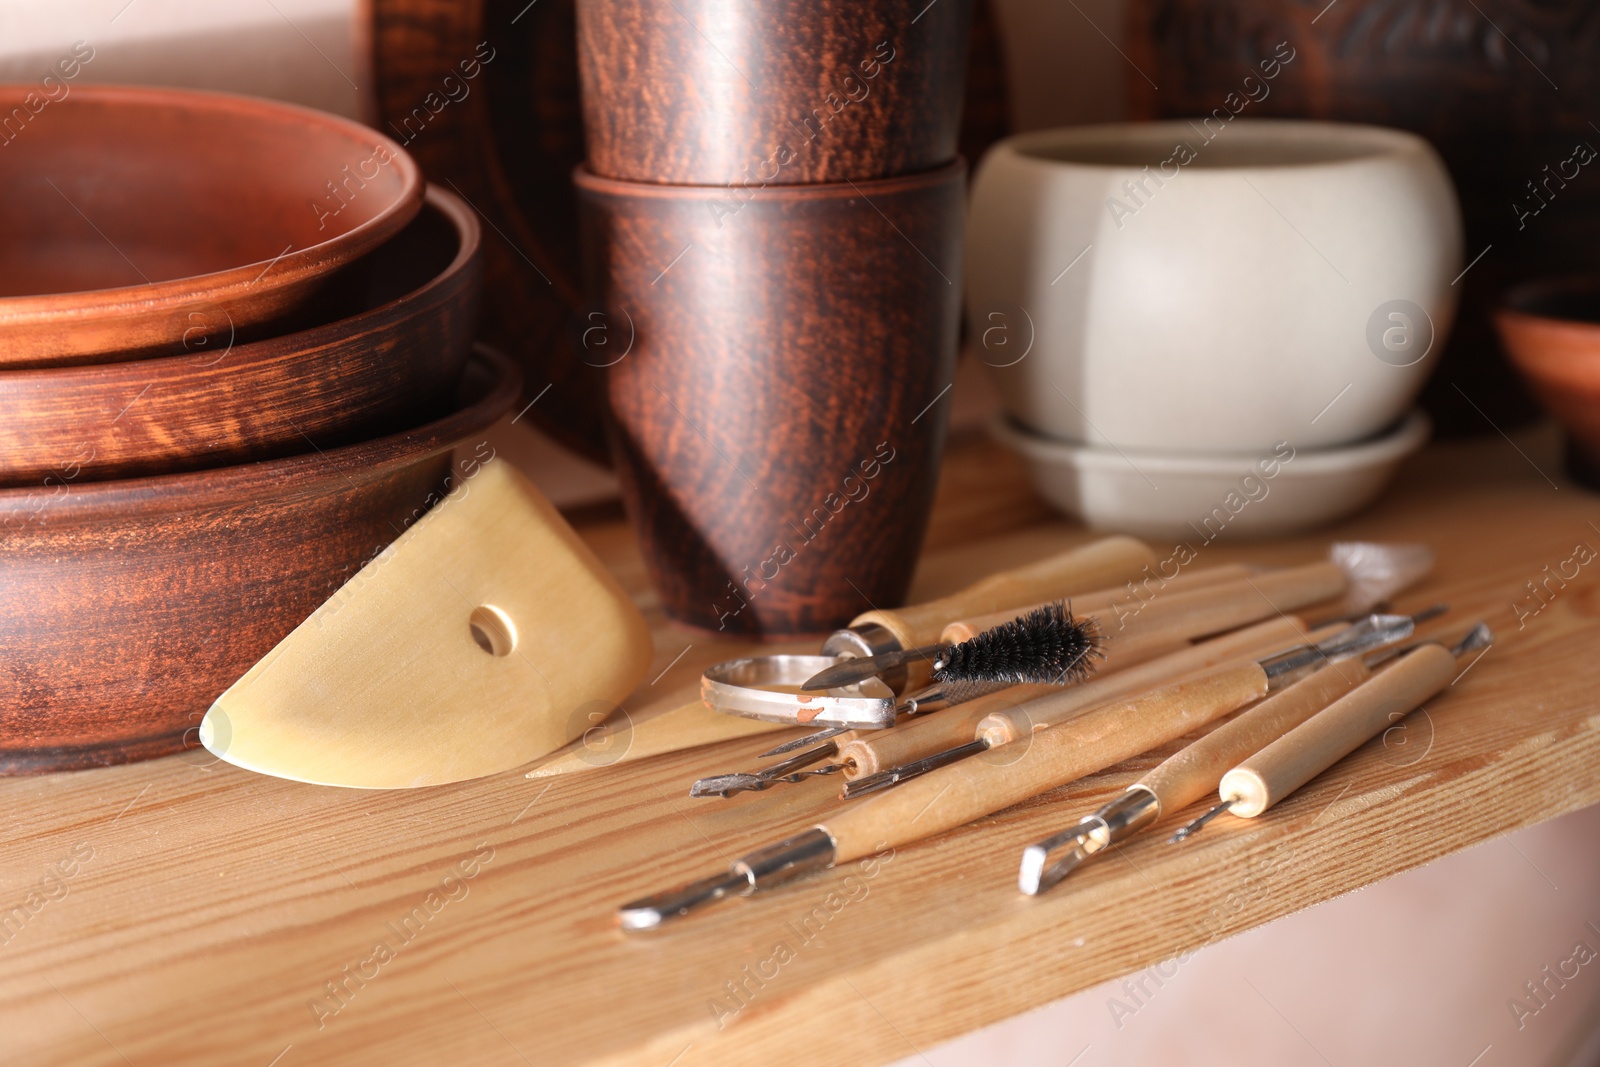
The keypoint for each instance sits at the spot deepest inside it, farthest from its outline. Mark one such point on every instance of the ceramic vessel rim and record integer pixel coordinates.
(1403, 438)
(291, 476)
(1388, 144)
(1509, 311)
(311, 260)
(589, 182)
(329, 334)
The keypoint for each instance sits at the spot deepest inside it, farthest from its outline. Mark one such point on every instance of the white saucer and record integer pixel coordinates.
(1204, 496)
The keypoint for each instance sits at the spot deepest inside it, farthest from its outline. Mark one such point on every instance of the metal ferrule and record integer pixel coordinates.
(1123, 817)
(863, 641)
(804, 853)
(1372, 632)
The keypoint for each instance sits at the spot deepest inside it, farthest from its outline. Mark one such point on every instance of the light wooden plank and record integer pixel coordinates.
(217, 904)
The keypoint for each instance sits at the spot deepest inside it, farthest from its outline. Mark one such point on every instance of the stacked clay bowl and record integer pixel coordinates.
(235, 360)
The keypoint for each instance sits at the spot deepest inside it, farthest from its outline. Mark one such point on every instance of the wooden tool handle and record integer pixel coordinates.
(1195, 771)
(1277, 633)
(936, 731)
(1092, 566)
(1117, 601)
(1192, 613)
(1311, 748)
(955, 795)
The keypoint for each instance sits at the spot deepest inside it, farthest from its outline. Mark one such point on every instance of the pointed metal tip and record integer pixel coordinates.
(802, 742)
(1033, 877)
(1183, 833)
(1480, 636)
(725, 785)
(1032, 871)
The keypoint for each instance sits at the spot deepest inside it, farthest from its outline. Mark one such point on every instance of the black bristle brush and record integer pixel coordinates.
(1047, 646)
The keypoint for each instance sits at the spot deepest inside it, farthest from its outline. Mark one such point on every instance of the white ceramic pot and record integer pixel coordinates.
(1142, 286)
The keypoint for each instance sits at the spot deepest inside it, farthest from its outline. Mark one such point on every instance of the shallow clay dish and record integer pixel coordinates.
(391, 365)
(131, 605)
(1552, 330)
(138, 219)
(1198, 497)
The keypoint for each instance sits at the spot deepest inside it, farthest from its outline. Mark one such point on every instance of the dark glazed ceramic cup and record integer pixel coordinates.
(779, 362)
(770, 92)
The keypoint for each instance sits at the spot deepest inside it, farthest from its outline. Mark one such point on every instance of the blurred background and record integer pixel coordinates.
(1423, 969)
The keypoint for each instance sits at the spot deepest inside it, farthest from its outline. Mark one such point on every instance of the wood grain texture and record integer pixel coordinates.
(708, 92)
(217, 905)
(137, 219)
(1446, 72)
(779, 389)
(131, 605)
(391, 365)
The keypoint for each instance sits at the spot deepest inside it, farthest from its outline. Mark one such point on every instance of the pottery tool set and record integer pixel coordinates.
(259, 517)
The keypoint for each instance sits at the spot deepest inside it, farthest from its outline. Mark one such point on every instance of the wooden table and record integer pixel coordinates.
(186, 912)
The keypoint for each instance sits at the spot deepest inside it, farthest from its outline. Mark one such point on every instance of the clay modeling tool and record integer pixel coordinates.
(1046, 647)
(955, 795)
(1358, 572)
(998, 724)
(1300, 755)
(1194, 771)
(737, 687)
(459, 651)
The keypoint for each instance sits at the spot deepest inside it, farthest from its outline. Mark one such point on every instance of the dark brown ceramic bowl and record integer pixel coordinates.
(770, 92)
(131, 605)
(1551, 328)
(389, 366)
(134, 217)
(778, 384)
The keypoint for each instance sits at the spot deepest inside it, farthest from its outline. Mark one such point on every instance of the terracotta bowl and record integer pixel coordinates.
(138, 219)
(1551, 328)
(131, 605)
(389, 366)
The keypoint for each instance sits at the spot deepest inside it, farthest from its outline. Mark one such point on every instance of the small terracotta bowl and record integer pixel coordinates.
(131, 605)
(1551, 328)
(136, 219)
(391, 365)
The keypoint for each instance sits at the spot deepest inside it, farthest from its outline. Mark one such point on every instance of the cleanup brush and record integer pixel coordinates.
(1046, 646)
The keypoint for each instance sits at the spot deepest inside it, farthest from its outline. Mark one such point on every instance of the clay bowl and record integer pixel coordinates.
(770, 92)
(131, 605)
(777, 386)
(138, 218)
(389, 366)
(1551, 328)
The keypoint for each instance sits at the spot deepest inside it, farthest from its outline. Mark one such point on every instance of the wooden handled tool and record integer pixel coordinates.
(936, 731)
(1186, 776)
(1339, 729)
(899, 759)
(1252, 642)
(1186, 614)
(1306, 751)
(1115, 602)
(955, 795)
(1097, 565)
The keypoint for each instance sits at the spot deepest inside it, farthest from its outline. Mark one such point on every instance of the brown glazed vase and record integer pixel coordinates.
(759, 92)
(779, 366)
(131, 605)
(1477, 78)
